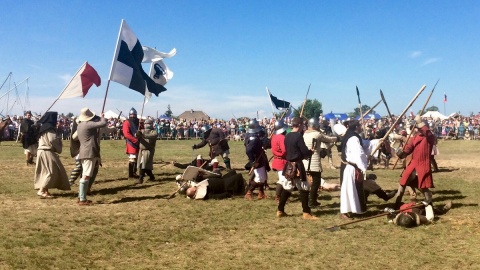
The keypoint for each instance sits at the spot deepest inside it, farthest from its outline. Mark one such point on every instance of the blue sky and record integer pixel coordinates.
(229, 51)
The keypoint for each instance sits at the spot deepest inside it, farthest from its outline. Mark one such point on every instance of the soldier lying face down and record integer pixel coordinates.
(412, 217)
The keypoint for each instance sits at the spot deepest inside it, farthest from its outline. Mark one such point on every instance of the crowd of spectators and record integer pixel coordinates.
(458, 127)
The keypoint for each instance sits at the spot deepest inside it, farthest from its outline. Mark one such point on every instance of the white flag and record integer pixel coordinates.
(127, 65)
(152, 55)
(160, 73)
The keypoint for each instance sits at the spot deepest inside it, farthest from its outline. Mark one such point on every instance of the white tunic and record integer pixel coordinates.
(349, 201)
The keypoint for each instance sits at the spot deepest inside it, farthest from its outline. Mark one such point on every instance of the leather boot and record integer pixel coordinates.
(227, 163)
(130, 170)
(261, 195)
(309, 216)
(248, 196)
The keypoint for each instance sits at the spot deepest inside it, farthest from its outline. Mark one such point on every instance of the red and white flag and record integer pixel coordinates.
(81, 82)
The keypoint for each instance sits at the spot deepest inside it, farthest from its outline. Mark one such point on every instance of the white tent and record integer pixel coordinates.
(111, 114)
(435, 115)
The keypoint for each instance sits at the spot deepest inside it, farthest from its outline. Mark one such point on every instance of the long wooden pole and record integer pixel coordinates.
(66, 87)
(115, 55)
(336, 227)
(411, 131)
(371, 109)
(305, 101)
(400, 116)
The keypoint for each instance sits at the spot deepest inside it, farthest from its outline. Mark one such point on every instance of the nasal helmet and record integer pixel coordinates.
(132, 111)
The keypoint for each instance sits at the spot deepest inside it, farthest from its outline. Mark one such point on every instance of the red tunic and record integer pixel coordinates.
(279, 152)
(131, 139)
(420, 146)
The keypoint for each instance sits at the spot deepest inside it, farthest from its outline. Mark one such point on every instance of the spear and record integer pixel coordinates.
(386, 105)
(360, 106)
(337, 227)
(400, 117)
(305, 101)
(421, 112)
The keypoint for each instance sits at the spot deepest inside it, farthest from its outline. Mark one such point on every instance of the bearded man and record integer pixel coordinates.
(130, 128)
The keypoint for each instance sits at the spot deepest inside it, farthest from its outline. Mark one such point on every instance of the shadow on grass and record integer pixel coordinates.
(446, 198)
(447, 192)
(458, 205)
(447, 170)
(115, 190)
(137, 199)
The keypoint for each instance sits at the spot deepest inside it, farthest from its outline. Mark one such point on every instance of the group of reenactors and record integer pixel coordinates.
(296, 158)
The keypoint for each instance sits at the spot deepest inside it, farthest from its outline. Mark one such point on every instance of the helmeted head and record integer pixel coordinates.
(132, 113)
(148, 123)
(314, 123)
(280, 127)
(253, 126)
(419, 121)
(407, 220)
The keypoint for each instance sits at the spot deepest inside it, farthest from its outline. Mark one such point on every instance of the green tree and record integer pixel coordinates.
(356, 111)
(431, 108)
(168, 112)
(312, 108)
(69, 115)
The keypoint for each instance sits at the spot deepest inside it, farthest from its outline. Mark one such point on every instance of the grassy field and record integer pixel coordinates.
(136, 227)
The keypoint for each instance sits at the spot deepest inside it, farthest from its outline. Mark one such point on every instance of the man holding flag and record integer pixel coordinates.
(130, 129)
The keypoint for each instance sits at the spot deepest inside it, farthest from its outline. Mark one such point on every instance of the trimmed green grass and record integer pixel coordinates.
(136, 227)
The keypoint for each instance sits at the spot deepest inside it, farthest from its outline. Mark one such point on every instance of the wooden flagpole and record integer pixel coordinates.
(66, 86)
(270, 98)
(115, 55)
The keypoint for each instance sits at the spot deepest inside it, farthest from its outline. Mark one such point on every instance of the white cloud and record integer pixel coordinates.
(66, 78)
(415, 54)
(430, 61)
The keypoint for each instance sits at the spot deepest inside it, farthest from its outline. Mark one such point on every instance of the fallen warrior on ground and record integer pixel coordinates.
(416, 216)
(203, 185)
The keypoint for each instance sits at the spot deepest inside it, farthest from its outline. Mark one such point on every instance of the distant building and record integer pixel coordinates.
(194, 115)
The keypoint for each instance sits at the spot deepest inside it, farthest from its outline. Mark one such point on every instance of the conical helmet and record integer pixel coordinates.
(132, 111)
(280, 127)
(314, 123)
